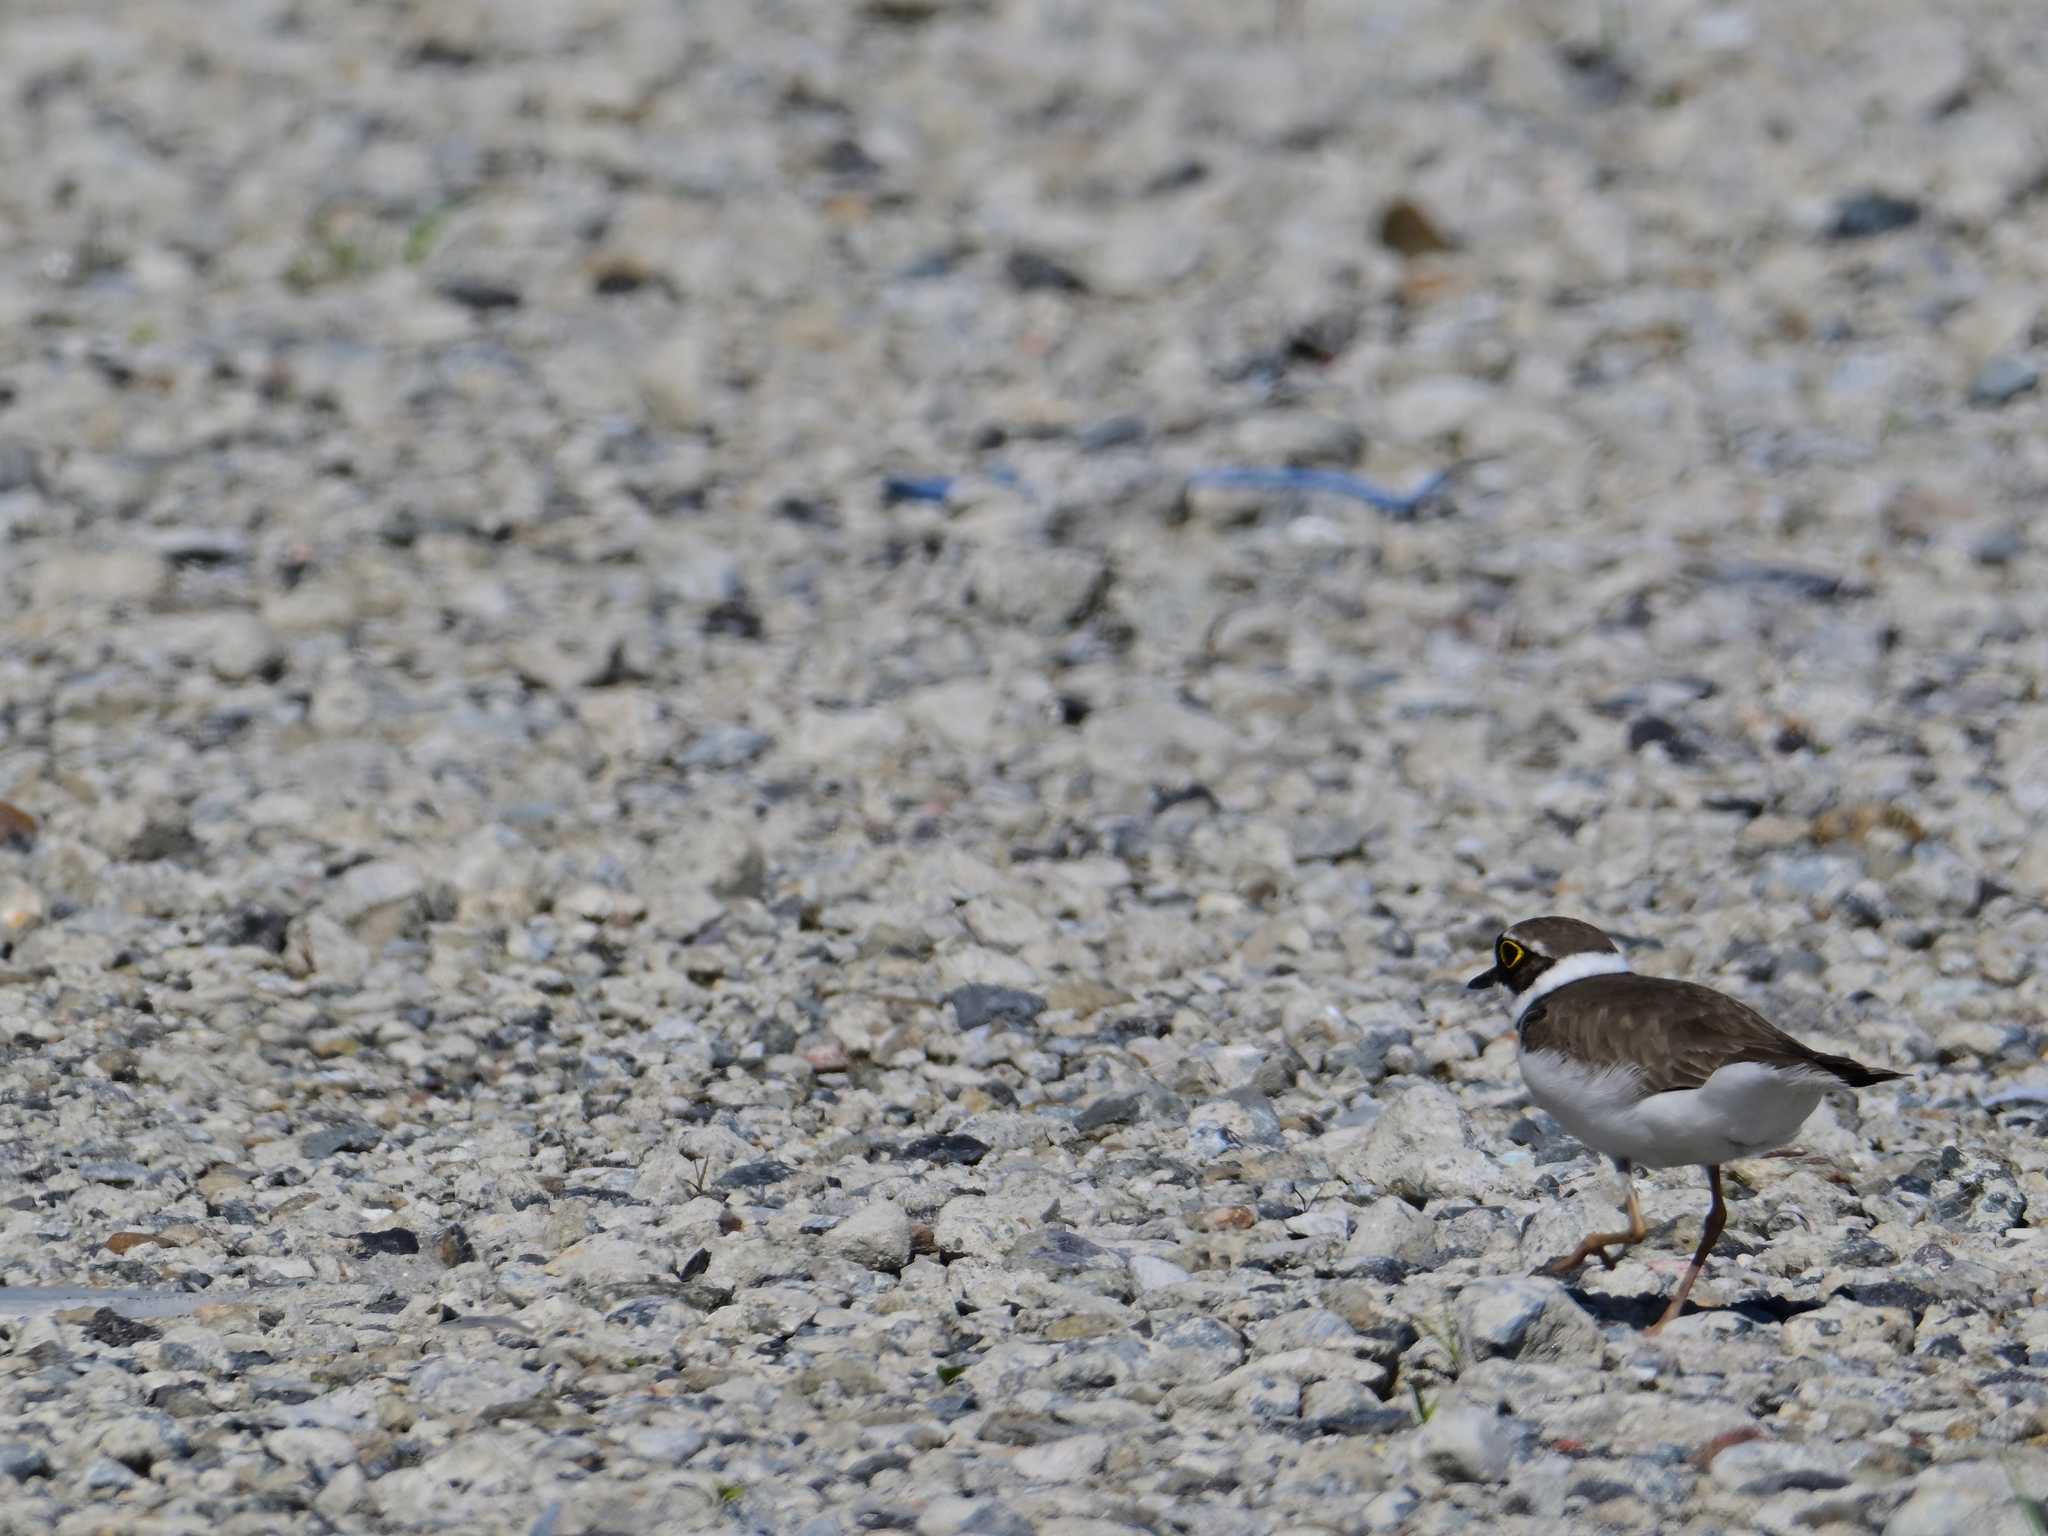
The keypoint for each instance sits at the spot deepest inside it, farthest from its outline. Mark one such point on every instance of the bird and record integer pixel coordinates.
(1652, 1072)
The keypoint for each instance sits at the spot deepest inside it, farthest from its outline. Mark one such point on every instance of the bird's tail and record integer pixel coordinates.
(1853, 1072)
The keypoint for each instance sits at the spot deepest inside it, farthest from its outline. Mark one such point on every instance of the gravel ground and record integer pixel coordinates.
(684, 875)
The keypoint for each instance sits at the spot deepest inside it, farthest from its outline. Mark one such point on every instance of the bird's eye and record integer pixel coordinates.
(1510, 954)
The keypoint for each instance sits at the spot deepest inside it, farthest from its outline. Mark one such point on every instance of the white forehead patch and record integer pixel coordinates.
(1568, 970)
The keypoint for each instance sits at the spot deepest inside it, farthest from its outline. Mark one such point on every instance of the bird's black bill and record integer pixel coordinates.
(1484, 980)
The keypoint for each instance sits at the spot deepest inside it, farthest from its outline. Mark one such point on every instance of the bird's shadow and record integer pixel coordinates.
(1639, 1312)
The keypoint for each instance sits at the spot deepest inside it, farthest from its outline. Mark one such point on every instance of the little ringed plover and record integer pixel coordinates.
(1655, 1073)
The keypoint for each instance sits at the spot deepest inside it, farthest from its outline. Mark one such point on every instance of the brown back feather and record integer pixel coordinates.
(1677, 1034)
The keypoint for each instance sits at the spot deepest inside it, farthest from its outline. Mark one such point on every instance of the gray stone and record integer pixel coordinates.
(1064, 1461)
(21, 1461)
(1392, 1229)
(341, 1138)
(1528, 1318)
(141, 1440)
(2003, 379)
(976, 1005)
(724, 746)
(1421, 1148)
(1964, 1498)
(1466, 1443)
(106, 1475)
(877, 1236)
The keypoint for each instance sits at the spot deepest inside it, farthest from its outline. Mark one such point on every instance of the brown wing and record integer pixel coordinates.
(1677, 1034)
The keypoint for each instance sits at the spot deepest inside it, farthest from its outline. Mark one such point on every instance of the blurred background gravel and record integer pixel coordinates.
(674, 877)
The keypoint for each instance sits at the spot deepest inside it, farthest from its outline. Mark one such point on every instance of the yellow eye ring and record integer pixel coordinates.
(1510, 954)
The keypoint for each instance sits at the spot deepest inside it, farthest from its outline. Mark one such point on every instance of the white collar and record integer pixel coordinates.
(1571, 968)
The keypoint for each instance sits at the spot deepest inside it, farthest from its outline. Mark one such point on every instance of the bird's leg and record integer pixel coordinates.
(1599, 1242)
(1717, 1218)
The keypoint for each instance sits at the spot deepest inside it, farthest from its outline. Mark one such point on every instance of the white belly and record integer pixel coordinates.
(1740, 1111)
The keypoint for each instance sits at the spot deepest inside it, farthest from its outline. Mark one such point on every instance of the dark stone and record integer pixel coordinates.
(1864, 214)
(993, 1519)
(110, 1328)
(1165, 798)
(1655, 730)
(22, 1461)
(735, 617)
(390, 1304)
(1116, 432)
(952, 1148)
(1999, 548)
(1383, 1271)
(1059, 1250)
(162, 842)
(1790, 580)
(1599, 1490)
(480, 294)
(1739, 805)
(1369, 1055)
(126, 1272)
(1117, 1109)
(883, 1517)
(1176, 177)
(263, 927)
(1756, 962)
(1602, 76)
(286, 1393)
(341, 1138)
(754, 1175)
(1358, 1421)
(1795, 1480)
(637, 1313)
(1388, 1342)
(387, 1240)
(1862, 1251)
(1033, 271)
(979, 1003)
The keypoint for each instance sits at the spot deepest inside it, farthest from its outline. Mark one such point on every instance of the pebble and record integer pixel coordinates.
(141, 1440)
(2002, 380)
(877, 1236)
(1421, 1148)
(22, 1462)
(1062, 1461)
(1526, 1319)
(1465, 1443)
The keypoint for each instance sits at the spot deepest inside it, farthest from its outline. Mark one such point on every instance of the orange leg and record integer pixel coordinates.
(1600, 1242)
(1717, 1218)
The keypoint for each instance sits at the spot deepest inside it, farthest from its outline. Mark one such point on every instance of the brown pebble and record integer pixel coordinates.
(17, 828)
(1855, 823)
(1405, 228)
(1703, 1458)
(827, 1056)
(121, 1242)
(1227, 1218)
(453, 1246)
